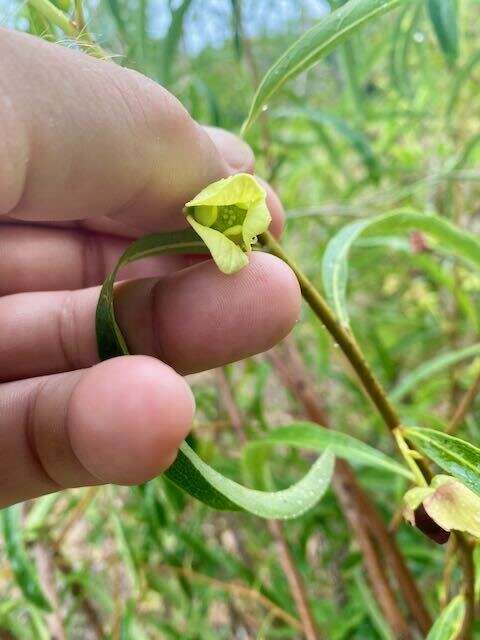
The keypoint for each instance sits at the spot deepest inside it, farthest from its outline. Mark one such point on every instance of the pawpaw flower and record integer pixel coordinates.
(228, 215)
(444, 506)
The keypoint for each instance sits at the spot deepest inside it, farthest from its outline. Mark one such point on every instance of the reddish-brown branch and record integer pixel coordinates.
(466, 403)
(78, 591)
(396, 561)
(275, 528)
(377, 575)
(237, 589)
(292, 371)
(294, 579)
(46, 573)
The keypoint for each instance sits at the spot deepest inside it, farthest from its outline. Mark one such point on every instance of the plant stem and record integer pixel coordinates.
(464, 406)
(408, 456)
(294, 579)
(77, 32)
(54, 15)
(46, 572)
(465, 551)
(341, 335)
(234, 588)
(79, 591)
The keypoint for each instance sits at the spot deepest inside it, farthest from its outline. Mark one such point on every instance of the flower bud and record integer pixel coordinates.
(444, 506)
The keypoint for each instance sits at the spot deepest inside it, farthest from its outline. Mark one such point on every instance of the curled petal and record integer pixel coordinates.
(256, 222)
(454, 506)
(241, 188)
(228, 256)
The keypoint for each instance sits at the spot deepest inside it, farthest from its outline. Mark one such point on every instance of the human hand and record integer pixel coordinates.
(91, 157)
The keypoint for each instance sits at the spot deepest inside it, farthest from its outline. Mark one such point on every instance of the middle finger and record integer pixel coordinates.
(194, 319)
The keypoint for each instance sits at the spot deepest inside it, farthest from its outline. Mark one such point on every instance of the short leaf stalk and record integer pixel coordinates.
(74, 30)
(410, 456)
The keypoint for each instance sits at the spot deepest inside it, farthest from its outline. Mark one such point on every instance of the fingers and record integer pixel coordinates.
(194, 319)
(43, 259)
(121, 421)
(52, 259)
(82, 138)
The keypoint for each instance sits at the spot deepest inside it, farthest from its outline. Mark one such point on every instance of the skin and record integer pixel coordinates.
(91, 157)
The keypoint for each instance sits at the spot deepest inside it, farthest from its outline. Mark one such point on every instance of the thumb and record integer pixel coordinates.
(83, 138)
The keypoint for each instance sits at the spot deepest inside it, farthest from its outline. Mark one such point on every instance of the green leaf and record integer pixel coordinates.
(116, 12)
(449, 623)
(330, 31)
(308, 435)
(125, 551)
(172, 40)
(355, 138)
(207, 485)
(38, 627)
(37, 517)
(443, 15)
(455, 456)
(451, 239)
(459, 81)
(371, 605)
(109, 337)
(402, 39)
(237, 28)
(428, 369)
(24, 570)
(188, 471)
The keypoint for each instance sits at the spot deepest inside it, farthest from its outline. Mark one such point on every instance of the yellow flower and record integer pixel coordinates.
(228, 215)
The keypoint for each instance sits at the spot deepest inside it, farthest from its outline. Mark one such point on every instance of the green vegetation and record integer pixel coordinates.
(367, 126)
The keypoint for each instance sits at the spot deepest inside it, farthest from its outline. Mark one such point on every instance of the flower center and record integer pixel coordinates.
(229, 216)
(227, 219)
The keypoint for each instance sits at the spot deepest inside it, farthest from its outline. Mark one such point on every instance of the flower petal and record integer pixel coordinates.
(241, 188)
(256, 221)
(454, 506)
(228, 257)
(414, 498)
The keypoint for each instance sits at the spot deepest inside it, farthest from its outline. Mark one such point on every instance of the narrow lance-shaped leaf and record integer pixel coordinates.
(451, 239)
(426, 370)
(188, 471)
(172, 40)
(449, 623)
(460, 80)
(23, 569)
(307, 435)
(443, 15)
(372, 608)
(355, 138)
(330, 31)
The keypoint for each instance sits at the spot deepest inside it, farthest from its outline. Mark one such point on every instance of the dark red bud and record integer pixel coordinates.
(429, 527)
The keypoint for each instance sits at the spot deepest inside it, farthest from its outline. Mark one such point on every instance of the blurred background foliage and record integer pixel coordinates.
(388, 120)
